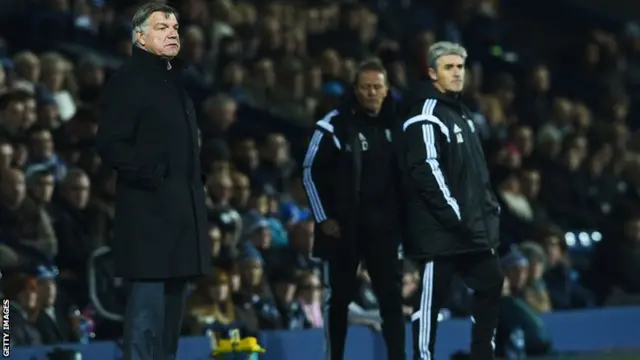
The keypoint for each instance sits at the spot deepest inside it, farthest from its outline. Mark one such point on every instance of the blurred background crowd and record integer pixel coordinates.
(555, 94)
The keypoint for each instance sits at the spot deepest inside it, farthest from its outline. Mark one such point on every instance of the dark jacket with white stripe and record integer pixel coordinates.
(449, 205)
(350, 172)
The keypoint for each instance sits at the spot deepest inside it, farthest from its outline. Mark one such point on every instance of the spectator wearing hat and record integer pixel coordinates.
(255, 290)
(535, 292)
(211, 306)
(40, 185)
(48, 113)
(515, 312)
(41, 149)
(20, 287)
(265, 207)
(53, 322)
(258, 235)
(516, 268)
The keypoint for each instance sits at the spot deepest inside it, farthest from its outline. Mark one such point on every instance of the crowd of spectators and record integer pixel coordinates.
(559, 135)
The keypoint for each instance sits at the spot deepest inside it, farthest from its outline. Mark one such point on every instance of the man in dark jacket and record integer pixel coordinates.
(149, 136)
(451, 214)
(349, 178)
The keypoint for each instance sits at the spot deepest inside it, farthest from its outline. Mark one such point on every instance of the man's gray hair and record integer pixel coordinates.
(140, 19)
(444, 48)
(373, 64)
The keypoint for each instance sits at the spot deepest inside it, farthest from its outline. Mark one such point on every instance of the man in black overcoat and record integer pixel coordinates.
(149, 135)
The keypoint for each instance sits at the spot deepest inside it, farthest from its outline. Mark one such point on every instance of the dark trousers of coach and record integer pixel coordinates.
(380, 254)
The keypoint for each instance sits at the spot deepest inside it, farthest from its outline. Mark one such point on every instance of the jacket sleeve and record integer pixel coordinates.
(423, 138)
(116, 137)
(314, 170)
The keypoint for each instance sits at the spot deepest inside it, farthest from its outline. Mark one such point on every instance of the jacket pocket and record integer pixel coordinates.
(492, 223)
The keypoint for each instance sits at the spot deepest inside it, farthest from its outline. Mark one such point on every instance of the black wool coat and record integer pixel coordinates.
(148, 133)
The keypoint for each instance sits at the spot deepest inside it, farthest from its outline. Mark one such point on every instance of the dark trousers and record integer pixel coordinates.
(153, 319)
(384, 265)
(482, 273)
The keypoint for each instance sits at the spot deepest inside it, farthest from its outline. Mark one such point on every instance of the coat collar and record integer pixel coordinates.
(351, 106)
(148, 59)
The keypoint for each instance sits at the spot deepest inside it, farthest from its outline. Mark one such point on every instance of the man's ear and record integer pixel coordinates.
(140, 38)
(433, 74)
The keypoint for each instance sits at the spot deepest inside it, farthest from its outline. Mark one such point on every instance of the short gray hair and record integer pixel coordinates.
(140, 19)
(373, 64)
(444, 48)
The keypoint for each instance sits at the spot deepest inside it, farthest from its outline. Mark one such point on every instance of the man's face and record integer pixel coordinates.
(14, 188)
(518, 276)
(261, 238)
(30, 112)
(47, 292)
(371, 89)
(161, 35)
(449, 76)
(524, 140)
(247, 152)
(241, 191)
(78, 192)
(6, 155)
(221, 188)
(277, 148)
(31, 70)
(531, 184)
(54, 77)
(42, 189)
(553, 249)
(48, 115)
(13, 116)
(265, 73)
(541, 79)
(42, 144)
